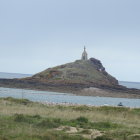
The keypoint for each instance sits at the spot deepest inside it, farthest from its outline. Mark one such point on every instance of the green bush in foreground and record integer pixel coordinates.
(50, 123)
(103, 138)
(82, 120)
(26, 118)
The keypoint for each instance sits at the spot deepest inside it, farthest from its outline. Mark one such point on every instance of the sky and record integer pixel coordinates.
(38, 34)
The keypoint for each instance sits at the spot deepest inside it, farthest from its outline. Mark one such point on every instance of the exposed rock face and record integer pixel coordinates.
(97, 63)
(90, 72)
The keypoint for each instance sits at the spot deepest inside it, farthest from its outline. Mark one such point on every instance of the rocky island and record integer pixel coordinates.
(82, 77)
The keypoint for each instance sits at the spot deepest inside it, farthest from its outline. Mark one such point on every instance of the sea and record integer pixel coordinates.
(130, 84)
(65, 98)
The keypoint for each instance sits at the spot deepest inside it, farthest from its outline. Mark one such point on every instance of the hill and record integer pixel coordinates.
(85, 72)
(82, 77)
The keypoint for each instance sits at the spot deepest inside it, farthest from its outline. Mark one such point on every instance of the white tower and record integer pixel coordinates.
(84, 54)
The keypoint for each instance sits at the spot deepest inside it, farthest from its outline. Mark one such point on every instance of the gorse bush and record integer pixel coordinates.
(82, 119)
(20, 118)
(79, 122)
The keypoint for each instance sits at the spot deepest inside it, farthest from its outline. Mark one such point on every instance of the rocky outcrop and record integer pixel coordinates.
(73, 78)
(97, 64)
(88, 73)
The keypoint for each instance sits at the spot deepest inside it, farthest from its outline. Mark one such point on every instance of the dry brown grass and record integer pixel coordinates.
(96, 114)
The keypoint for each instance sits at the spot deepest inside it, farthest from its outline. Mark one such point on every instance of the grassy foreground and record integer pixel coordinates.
(21, 119)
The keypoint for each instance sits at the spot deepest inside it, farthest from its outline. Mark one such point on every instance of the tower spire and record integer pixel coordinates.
(84, 54)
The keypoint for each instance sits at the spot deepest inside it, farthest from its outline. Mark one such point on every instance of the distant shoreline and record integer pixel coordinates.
(6, 75)
(129, 84)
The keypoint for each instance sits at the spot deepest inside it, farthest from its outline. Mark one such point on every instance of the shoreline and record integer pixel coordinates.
(75, 89)
(67, 104)
(94, 92)
(51, 101)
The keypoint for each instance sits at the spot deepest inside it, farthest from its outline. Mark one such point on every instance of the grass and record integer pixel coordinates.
(17, 101)
(22, 119)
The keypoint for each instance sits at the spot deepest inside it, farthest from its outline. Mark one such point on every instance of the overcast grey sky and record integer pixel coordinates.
(37, 34)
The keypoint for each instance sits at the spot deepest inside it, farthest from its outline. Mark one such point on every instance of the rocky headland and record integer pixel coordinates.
(82, 77)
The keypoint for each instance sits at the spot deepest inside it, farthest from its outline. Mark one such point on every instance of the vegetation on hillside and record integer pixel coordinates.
(21, 119)
(85, 72)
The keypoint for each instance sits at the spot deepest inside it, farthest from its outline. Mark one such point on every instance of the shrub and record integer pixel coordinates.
(50, 123)
(26, 118)
(19, 118)
(82, 120)
(102, 138)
